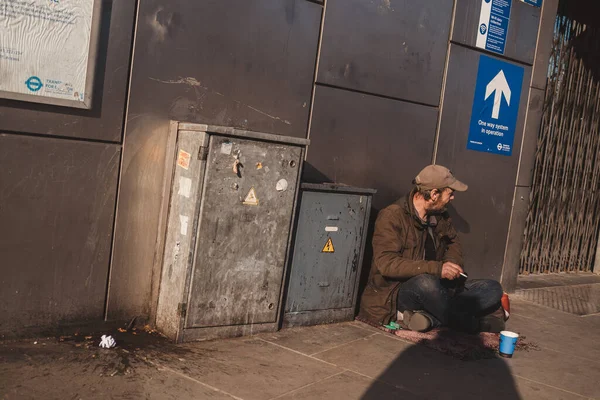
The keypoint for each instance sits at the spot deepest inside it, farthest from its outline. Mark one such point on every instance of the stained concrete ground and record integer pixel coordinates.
(341, 361)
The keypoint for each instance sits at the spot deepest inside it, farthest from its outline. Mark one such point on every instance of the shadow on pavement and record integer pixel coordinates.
(429, 374)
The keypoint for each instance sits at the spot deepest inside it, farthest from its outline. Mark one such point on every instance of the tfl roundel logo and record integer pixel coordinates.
(34, 83)
(482, 29)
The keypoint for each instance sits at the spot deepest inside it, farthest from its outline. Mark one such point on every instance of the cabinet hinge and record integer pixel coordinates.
(203, 153)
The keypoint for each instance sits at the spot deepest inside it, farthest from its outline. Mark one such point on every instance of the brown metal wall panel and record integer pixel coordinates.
(515, 239)
(105, 120)
(544, 43)
(522, 28)
(481, 215)
(530, 140)
(395, 48)
(57, 201)
(135, 266)
(366, 141)
(241, 63)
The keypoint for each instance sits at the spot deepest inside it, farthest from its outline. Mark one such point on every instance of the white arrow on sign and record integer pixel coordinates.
(500, 87)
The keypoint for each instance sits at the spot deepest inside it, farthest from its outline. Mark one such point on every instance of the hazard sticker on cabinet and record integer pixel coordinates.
(251, 199)
(183, 159)
(328, 248)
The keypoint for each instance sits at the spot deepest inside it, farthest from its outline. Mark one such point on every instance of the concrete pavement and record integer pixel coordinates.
(341, 361)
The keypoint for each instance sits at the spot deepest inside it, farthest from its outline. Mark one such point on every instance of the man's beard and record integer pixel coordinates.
(436, 207)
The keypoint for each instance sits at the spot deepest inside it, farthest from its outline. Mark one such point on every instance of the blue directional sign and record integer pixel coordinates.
(537, 3)
(495, 106)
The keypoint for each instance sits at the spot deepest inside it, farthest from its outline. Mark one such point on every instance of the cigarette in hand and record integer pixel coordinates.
(463, 275)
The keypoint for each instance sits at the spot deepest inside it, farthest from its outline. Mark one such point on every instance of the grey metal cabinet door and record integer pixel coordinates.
(245, 216)
(321, 279)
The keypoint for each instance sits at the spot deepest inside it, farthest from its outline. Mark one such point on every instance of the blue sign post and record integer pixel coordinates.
(495, 106)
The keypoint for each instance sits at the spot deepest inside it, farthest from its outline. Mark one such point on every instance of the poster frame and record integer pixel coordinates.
(90, 71)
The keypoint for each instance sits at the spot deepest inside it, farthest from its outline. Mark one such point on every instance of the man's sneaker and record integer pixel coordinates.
(418, 321)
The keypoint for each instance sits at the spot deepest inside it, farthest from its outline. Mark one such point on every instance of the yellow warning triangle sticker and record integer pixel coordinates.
(328, 247)
(251, 199)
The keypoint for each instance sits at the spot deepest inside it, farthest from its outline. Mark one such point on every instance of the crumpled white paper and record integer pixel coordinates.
(107, 342)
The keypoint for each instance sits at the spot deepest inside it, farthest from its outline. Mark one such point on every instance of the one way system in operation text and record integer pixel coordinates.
(495, 106)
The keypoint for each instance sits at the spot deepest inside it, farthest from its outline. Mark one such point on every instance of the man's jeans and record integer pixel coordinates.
(456, 307)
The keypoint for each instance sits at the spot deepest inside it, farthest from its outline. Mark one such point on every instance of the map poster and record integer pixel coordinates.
(48, 50)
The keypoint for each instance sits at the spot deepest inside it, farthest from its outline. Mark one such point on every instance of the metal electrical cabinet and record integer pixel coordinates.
(328, 252)
(232, 201)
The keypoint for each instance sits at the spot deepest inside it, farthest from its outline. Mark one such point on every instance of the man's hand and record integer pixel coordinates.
(451, 271)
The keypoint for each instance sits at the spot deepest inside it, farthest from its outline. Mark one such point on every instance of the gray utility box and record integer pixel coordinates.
(231, 204)
(328, 252)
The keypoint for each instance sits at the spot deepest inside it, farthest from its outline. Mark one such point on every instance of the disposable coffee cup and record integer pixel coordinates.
(508, 341)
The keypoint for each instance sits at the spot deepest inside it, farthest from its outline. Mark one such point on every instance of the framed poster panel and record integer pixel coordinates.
(48, 50)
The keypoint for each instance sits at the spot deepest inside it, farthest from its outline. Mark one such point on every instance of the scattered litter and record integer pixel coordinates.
(132, 322)
(523, 344)
(88, 337)
(393, 325)
(107, 342)
(34, 342)
(122, 330)
(281, 185)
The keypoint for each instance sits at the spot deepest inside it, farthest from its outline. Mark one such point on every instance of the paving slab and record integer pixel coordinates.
(50, 370)
(316, 339)
(589, 324)
(550, 280)
(487, 380)
(249, 368)
(535, 390)
(577, 299)
(543, 313)
(593, 321)
(558, 337)
(349, 386)
(532, 377)
(422, 371)
(369, 356)
(558, 369)
(349, 360)
(416, 369)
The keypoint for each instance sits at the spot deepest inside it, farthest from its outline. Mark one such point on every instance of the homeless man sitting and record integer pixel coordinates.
(415, 276)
